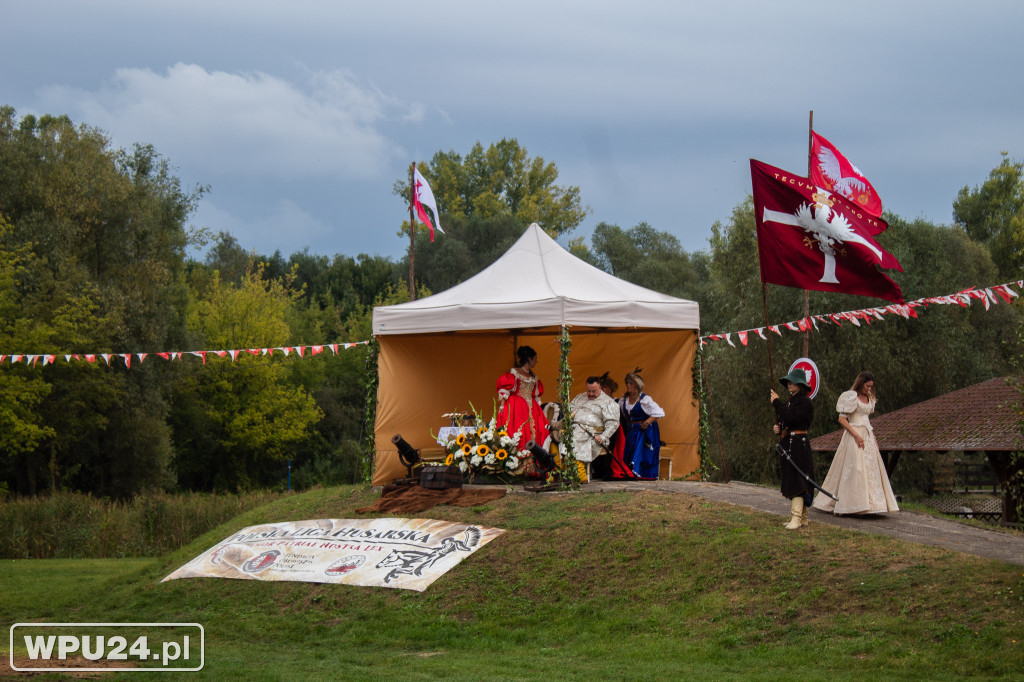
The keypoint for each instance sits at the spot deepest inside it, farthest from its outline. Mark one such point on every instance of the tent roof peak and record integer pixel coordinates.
(537, 283)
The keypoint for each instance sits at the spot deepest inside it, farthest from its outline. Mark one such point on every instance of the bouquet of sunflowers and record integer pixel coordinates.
(488, 449)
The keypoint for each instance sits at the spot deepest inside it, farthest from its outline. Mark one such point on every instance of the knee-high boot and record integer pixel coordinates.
(796, 509)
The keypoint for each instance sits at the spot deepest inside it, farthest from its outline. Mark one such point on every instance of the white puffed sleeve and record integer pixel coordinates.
(847, 403)
(652, 408)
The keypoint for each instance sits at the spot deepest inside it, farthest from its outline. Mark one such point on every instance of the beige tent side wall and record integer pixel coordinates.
(423, 376)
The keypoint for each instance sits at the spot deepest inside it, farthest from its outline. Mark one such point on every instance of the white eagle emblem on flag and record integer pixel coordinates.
(829, 165)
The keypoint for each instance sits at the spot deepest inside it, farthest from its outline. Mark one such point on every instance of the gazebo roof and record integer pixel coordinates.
(981, 417)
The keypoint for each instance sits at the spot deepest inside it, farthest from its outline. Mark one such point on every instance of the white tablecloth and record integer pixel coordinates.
(447, 432)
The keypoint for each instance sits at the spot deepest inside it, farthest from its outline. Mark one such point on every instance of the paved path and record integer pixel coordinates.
(906, 525)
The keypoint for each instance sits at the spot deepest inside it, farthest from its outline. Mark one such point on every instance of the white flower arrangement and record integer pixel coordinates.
(488, 449)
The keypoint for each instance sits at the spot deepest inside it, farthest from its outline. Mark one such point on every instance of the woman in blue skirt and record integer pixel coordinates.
(643, 438)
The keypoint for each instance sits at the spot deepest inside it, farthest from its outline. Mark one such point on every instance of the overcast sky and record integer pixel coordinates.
(301, 115)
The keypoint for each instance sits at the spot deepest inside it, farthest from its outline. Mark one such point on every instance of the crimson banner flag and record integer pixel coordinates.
(833, 171)
(810, 238)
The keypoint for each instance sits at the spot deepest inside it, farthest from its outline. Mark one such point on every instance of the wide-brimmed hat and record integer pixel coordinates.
(796, 376)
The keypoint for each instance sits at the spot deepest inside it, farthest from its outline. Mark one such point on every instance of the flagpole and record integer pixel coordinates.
(764, 304)
(807, 294)
(412, 229)
(768, 331)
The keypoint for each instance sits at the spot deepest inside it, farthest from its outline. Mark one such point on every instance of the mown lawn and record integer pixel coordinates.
(599, 586)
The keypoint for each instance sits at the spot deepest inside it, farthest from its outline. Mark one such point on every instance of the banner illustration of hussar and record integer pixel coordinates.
(401, 553)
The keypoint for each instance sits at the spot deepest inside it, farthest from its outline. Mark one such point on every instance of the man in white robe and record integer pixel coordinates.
(595, 416)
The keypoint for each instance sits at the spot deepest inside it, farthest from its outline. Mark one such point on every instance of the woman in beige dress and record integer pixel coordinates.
(857, 475)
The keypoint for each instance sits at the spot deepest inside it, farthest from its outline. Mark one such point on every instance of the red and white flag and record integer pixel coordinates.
(810, 238)
(423, 196)
(834, 172)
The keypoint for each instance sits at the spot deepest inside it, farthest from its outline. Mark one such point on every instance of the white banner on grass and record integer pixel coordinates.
(404, 553)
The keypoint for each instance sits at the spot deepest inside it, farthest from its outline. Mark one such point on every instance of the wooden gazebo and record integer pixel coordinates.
(980, 418)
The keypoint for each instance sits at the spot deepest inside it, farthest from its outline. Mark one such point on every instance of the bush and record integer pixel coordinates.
(72, 525)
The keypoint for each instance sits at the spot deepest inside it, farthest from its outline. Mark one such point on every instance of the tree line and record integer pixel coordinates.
(94, 245)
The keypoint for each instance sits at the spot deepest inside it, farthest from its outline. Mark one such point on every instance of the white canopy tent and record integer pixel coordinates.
(440, 353)
(537, 283)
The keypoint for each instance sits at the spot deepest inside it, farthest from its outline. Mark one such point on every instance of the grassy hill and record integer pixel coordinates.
(582, 586)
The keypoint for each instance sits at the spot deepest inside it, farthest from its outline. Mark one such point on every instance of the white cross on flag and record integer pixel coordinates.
(810, 238)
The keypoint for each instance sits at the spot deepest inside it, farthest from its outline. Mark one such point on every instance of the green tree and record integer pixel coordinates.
(993, 214)
(102, 236)
(645, 256)
(227, 257)
(236, 422)
(21, 392)
(501, 180)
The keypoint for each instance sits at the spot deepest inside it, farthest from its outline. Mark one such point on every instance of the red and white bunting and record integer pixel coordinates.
(989, 296)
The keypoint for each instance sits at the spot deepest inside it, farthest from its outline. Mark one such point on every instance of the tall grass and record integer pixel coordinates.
(76, 526)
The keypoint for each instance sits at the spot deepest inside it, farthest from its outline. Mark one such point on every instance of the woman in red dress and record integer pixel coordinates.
(519, 409)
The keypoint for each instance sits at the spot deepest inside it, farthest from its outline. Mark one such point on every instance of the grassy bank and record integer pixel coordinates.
(599, 586)
(71, 525)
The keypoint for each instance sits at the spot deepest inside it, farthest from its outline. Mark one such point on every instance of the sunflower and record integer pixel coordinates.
(501, 455)
(481, 431)
(448, 460)
(460, 440)
(483, 450)
(466, 450)
(502, 434)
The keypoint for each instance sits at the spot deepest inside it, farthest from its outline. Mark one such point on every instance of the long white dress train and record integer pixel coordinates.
(857, 476)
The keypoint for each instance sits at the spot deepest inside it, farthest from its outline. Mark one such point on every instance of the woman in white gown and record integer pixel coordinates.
(857, 475)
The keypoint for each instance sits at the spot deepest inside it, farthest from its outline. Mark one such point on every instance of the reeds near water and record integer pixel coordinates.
(72, 525)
